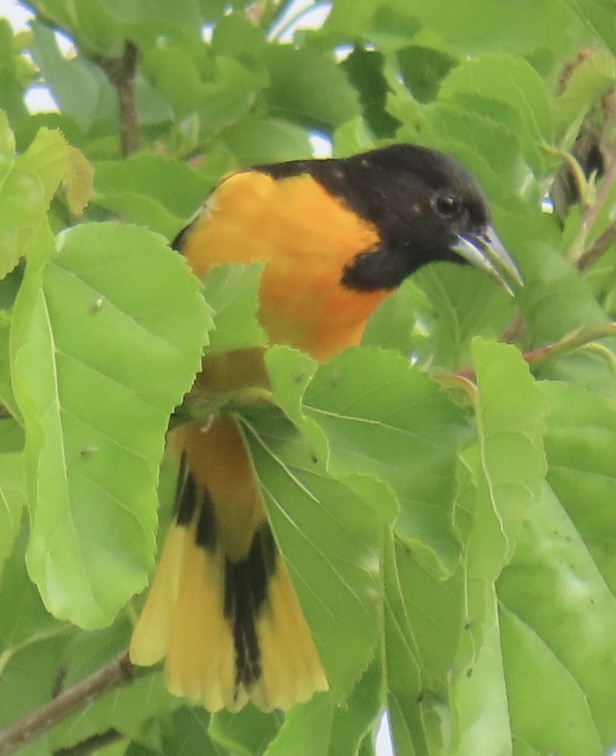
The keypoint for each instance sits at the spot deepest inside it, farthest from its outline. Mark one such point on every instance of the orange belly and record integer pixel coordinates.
(306, 238)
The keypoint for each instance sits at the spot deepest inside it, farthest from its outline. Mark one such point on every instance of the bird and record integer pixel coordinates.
(335, 237)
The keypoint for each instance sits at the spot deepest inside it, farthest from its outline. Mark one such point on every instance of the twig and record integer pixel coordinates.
(596, 250)
(117, 672)
(564, 345)
(513, 331)
(121, 73)
(90, 744)
(592, 211)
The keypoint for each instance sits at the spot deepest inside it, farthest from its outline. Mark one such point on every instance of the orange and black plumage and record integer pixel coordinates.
(336, 237)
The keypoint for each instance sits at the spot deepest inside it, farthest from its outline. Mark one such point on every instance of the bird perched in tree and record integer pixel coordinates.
(336, 238)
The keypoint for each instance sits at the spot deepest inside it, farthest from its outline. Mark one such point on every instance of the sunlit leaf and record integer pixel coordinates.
(383, 418)
(508, 467)
(99, 364)
(155, 191)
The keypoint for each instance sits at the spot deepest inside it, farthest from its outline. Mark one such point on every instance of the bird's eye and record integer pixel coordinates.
(448, 205)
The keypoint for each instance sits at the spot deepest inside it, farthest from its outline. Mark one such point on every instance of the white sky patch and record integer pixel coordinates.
(17, 15)
(302, 14)
(321, 145)
(40, 100)
(384, 745)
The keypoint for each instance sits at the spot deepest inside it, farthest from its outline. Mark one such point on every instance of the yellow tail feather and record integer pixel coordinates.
(226, 618)
(151, 635)
(292, 670)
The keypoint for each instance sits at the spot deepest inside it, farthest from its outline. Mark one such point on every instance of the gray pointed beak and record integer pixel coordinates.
(486, 251)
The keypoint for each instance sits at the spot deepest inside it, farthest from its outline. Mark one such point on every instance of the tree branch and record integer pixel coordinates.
(121, 73)
(119, 671)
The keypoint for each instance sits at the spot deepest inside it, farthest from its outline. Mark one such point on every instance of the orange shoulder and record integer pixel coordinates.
(306, 237)
(253, 217)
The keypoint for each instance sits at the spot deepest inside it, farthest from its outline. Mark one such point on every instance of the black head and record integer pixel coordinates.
(426, 206)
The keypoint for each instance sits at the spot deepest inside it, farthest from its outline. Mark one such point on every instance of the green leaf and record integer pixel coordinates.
(77, 86)
(309, 87)
(423, 621)
(592, 77)
(523, 28)
(388, 23)
(423, 68)
(31, 642)
(508, 468)
(393, 324)
(231, 94)
(221, 91)
(581, 444)
(11, 90)
(365, 70)
(22, 210)
(245, 732)
(354, 724)
(78, 179)
(102, 25)
(7, 146)
(12, 500)
(88, 21)
(489, 134)
(598, 15)
(510, 424)
(158, 192)
(258, 140)
(556, 300)
(235, 36)
(6, 390)
(388, 420)
(171, 65)
(101, 356)
(479, 695)
(557, 616)
(27, 185)
(331, 541)
(306, 729)
(185, 732)
(125, 709)
(143, 19)
(505, 78)
(232, 291)
(47, 157)
(464, 302)
(11, 438)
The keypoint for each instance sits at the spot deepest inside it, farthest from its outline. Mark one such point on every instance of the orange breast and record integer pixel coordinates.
(306, 237)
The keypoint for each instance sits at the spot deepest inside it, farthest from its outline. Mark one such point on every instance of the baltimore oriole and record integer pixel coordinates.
(336, 237)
